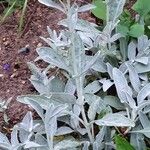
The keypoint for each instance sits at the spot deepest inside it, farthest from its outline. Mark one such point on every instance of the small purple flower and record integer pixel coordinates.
(6, 67)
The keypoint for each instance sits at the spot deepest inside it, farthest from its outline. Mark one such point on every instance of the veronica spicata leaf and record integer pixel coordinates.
(70, 87)
(106, 84)
(143, 93)
(31, 144)
(43, 101)
(79, 51)
(89, 64)
(52, 4)
(134, 78)
(109, 70)
(113, 102)
(40, 139)
(145, 123)
(4, 140)
(140, 68)
(92, 87)
(63, 130)
(86, 8)
(100, 136)
(131, 51)
(99, 66)
(93, 108)
(83, 25)
(63, 97)
(114, 9)
(142, 60)
(50, 56)
(27, 122)
(52, 113)
(67, 144)
(137, 140)
(121, 84)
(143, 43)
(116, 120)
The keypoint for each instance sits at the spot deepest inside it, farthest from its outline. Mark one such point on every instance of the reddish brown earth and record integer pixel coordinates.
(14, 74)
(14, 80)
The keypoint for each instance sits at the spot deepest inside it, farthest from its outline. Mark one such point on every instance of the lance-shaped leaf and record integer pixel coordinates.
(106, 84)
(63, 130)
(63, 98)
(113, 102)
(93, 109)
(52, 4)
(86, 8)
(109, 70)
(67, 144)
(31, 144)
(50, 122)
(79, 53)
(50, 56)
(134, 78)
(137, 140)
(143, 93)
(116, 120)
(70, 87)
(121, 84)
(99, 66)
(143, 44)
(140, 68)
(142, 60)
(114, 9)
(89, 64)
(43, 101)
(92, 87)
(131, 51)
(83, 25)
(41, 140)
(4, 142)
(145, 123)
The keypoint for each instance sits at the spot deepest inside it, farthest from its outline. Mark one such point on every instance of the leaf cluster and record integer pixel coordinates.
(105, 91)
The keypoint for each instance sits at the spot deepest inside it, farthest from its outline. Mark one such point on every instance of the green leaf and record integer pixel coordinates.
(142, 7)
(136, 30)
(122, 143)
(100, 10)
(123, 29)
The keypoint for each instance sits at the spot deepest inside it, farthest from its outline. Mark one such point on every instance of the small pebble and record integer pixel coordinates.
(1, 75)
(14, 75)
(39, 45)
(6, 43)
(23, 82)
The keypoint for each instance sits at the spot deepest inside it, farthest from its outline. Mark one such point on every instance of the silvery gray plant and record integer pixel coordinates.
(77, 113)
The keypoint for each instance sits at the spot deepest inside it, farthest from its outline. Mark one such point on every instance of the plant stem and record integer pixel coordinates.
(79, 84)
(50, 141)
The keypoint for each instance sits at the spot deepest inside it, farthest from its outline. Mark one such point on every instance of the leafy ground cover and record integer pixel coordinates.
(98, 95)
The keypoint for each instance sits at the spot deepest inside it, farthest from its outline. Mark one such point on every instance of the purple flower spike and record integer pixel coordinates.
(6, 67)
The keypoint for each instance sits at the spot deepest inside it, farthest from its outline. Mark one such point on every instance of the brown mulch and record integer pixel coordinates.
(14, 74)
